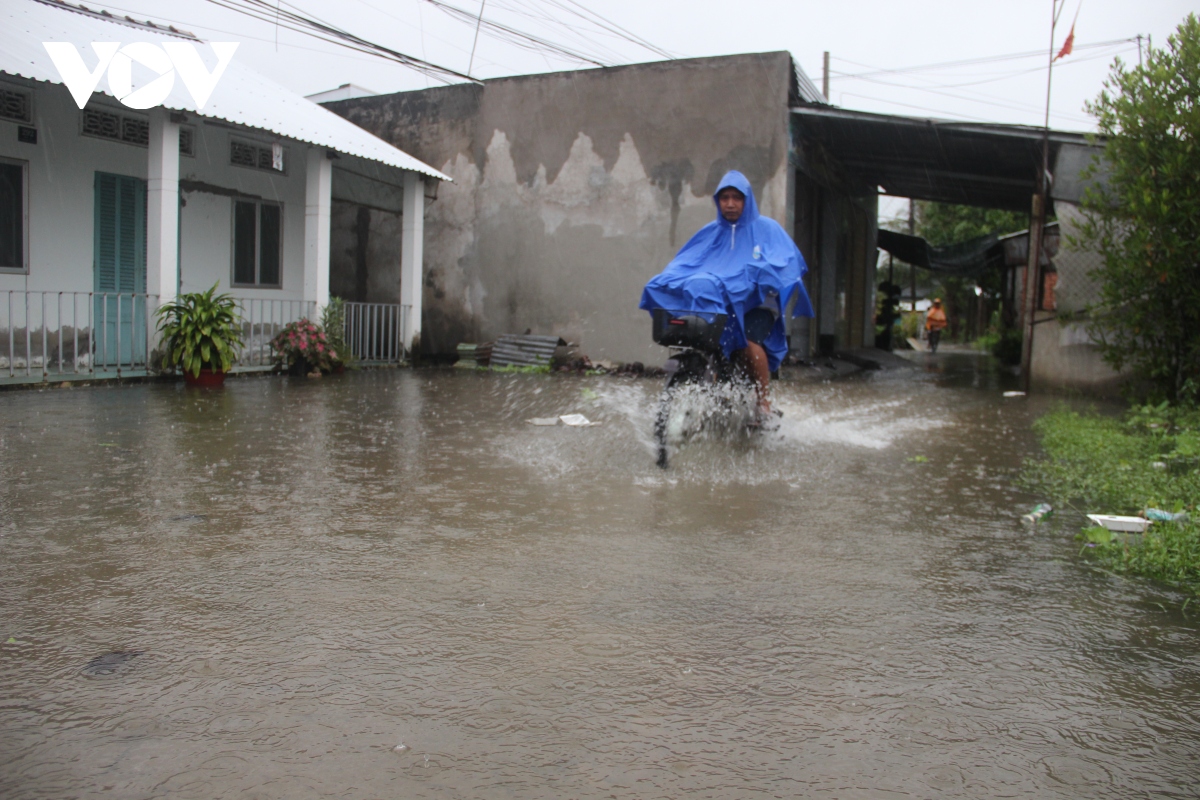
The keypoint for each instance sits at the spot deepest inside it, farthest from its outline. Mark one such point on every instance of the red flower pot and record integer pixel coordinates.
(207, 377)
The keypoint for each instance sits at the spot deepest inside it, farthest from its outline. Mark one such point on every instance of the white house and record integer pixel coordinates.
(108, 211)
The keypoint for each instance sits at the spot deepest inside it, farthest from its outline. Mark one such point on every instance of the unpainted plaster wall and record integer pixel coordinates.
(572, 189)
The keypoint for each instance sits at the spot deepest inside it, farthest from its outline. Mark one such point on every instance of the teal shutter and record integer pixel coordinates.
(120, 272)
(120, 234)
(106, 232)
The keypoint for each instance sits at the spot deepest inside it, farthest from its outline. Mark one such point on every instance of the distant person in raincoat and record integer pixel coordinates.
(745, 265)
(935, 321)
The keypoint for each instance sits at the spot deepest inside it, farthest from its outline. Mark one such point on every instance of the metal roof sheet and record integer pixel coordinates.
(524, 350)
(242, 96)
(971, 163)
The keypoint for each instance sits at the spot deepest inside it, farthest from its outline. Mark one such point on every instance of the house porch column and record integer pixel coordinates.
(412, 256)
(162, 207)
(317, 196)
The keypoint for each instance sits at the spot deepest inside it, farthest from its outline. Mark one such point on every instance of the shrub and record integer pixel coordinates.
(303, 345)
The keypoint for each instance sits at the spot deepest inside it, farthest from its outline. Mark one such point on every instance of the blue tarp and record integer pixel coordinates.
(733, 267)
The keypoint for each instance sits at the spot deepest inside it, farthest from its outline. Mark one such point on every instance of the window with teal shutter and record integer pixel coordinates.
(120, 233)
(120, 269)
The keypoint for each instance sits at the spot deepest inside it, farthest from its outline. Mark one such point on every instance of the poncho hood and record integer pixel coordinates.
(733, 267)
(736, 180)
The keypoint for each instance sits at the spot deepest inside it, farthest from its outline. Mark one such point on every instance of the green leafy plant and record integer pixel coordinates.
(333, 320)
(1124, 466)
(1144, 218)
(201, 331)
(304, 344)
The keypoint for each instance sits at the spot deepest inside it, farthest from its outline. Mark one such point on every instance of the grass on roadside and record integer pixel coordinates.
(1150, 459)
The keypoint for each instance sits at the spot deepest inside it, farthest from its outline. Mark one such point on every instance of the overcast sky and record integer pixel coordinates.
(867, 36)
(874, 44)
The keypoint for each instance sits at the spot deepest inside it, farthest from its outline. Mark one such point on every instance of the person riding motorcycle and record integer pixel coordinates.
(746, 266)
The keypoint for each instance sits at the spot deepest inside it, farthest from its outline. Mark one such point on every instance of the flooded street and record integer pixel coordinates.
(388, 584)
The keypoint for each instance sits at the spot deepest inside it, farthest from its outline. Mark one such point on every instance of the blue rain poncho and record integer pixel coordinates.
(733, 267)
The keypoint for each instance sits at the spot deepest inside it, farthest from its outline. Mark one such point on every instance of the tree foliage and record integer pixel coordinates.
(1144, 219)
(943, 224)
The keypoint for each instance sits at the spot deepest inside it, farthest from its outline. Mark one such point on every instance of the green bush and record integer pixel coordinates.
(1149, 459)
(333, 321)
(1004, 345)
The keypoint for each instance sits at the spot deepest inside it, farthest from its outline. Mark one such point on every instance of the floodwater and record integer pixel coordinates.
(388, 584)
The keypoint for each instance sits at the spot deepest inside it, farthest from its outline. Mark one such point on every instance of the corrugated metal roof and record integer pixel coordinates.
(524, 350)
(242, 96)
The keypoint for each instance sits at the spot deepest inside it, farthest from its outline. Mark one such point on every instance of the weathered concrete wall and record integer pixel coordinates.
(1065, 357)
(571, 190)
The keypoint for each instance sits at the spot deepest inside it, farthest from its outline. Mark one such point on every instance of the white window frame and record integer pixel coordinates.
(258, 204)
(23, 269)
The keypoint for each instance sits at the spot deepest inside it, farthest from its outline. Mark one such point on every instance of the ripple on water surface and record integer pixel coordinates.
(266, 591)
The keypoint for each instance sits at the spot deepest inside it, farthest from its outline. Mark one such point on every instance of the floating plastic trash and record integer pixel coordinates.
(546, 421)
(1120, 524)
(1039, 512)
(577, 420)
(1158, 515)
(1014, 394)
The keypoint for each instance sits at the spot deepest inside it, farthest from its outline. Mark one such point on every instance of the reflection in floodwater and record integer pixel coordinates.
(389, 584)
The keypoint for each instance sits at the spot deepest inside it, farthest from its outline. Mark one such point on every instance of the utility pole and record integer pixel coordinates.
(825, 78)
(912, 270)
(1037, 223)
(478, 25)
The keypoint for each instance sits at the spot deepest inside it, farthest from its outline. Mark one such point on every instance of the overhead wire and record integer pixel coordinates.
(969, 61)
(543, 18)
(295, 20)
(979, 97)
(931, 85)
(513, 36)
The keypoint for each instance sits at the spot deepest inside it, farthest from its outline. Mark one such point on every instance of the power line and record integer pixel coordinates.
(987, 99)
(513, 36)
(609, 25)
(295, 20)
(969, 61)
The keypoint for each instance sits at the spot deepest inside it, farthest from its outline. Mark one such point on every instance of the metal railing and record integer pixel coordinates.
(374, 331)
(69, 334)
(262, 320)
(75, 335)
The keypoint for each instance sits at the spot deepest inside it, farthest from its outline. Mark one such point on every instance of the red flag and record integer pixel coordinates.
(1068, 44)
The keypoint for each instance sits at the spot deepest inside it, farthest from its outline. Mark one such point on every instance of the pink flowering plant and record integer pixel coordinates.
(304, 341)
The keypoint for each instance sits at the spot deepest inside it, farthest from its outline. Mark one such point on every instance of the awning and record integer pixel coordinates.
(971, 257)
(242, 96)
(967, 163)
(964, 258)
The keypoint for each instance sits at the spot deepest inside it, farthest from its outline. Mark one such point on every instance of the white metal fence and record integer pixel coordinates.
(73, 335)
(262, 320)
(50, 334)
(374, 331)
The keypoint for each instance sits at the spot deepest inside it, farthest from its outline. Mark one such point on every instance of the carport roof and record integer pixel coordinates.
(968, 163)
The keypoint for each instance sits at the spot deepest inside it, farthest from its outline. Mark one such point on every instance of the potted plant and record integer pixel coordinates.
(302, 348)
(202, 333)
